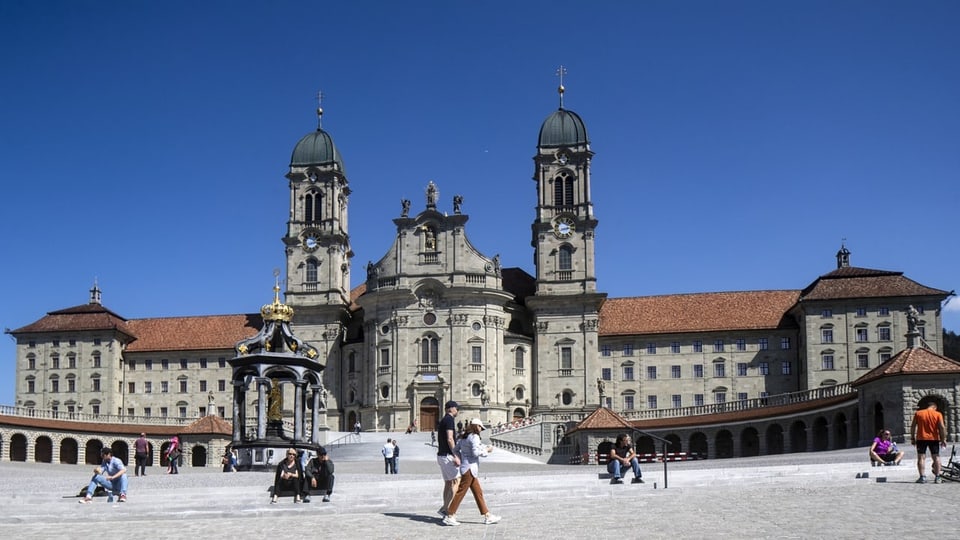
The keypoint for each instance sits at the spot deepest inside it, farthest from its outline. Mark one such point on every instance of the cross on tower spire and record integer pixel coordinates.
(561, 71)
(319, 108)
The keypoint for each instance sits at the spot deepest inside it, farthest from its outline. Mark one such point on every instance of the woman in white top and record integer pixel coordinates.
(470, 451)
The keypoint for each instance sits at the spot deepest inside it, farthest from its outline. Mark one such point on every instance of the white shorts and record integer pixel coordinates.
(448, 468)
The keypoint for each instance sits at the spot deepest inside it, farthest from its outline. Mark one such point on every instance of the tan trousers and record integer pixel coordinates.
(472, 483)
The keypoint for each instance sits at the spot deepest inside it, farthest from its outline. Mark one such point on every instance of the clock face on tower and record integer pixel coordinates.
(563, 227)
(309, 239)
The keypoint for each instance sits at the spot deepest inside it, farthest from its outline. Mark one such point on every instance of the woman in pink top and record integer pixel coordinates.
(884, 451)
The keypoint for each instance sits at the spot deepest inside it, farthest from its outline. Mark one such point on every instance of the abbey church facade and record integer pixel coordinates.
(434, 319)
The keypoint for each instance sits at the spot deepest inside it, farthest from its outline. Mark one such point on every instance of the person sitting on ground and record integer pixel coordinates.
(318, 475)
(884, 451)
(289, 477)
(111, 474)
(622, 456)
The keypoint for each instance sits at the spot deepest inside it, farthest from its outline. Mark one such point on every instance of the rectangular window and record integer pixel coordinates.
(883, 312)
(203, 363)
(96, 409)
(719, 369)
(628, 403)
(651, 402)
(148, 387)
(677, 401)
(862, 335)
(72, 362)
(718, 345)
(741, 344)
(183, 363)
(675, 347)
(221, 362)
(675, 372)
(566, 358)
(203, 412)
(606, 374)
(96, 360)
(131, 387)
(32, 363)
(785, 343)
(133, 365)
(96, 385)
(741, 369)
(826, 361)
(31, 387)
(884, 357)
(698, 371)
(697, 346)
(863, 360)
(129, 411)
(164, 387)
(476, 355)
(147, 412)
(55, 343)
(73, 342)
(786, 368)
(861, 312)
(719, 397)
(71, 385)
(628, 373)
(203, 386)
(182, 411)
(96, 342)
(163, 412)
(606, 350)
(221, 385)
(763, 344)
(651, 348)
(651, 372)
(764, 368)
(628, 349)
(384, 357)
(827, 313)
(698, 400)
(148, 365)
(183, 386)
(826, 335)
(164, 364)
(55, 362)
(884, 333)
(741, 396)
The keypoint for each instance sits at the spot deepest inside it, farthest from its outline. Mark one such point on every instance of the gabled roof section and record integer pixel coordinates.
(78, 318)
(518, 283)
(699, 312)
(193, 333)
(208, 424)
(912, 361)
(355, 293)
(603, 419)
(854, 282)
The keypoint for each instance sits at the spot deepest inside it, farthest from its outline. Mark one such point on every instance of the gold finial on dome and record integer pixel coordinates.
(319, 108)
(561, 71)
(276, 311)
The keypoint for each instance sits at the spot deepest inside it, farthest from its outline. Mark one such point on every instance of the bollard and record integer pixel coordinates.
(881, 479)
(654, 485)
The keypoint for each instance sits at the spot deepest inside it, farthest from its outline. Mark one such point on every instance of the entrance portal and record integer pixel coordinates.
(429, 414)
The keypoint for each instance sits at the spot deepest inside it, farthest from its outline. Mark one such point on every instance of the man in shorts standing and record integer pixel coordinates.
(929, 431)
(446, 457)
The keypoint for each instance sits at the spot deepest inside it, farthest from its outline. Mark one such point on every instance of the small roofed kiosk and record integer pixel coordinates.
(275, 363)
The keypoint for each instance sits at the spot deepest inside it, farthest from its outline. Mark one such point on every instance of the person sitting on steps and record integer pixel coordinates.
(622, 456)
(111, 474)
(884, 451)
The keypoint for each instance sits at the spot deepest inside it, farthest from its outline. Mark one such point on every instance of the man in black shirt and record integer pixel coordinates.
(448, 461)
(319, 476)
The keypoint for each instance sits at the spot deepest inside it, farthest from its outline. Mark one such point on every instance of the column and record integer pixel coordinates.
(262, 384)
(315, 414)
(298, 406)
(239, 410)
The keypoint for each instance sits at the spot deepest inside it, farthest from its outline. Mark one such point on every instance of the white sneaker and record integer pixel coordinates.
(490, 519)
(450, 520)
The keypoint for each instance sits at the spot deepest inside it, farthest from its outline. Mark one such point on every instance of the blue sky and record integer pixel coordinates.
(737, 143)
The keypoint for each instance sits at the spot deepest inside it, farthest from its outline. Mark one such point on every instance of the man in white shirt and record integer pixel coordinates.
(387, 452)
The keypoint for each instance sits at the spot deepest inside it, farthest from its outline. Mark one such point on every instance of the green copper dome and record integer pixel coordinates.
(315, 149)
(563, 128)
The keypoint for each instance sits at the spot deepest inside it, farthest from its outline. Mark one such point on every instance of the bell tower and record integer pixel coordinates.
(566, 305)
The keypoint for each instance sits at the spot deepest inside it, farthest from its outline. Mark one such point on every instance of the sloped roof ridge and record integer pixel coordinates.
(86, 308)
(218, 315)
(858, 271)
(911, 361)
(669, 295)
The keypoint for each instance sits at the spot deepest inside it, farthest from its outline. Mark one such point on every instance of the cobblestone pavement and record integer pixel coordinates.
(811, 495)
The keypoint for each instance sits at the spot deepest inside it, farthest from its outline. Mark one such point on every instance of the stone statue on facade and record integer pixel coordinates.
(432, 194)
(405, 207)
(457, 203)
(600, 388)
(913, 320)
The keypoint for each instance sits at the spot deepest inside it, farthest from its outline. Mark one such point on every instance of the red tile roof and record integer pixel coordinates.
(914, 361)
(700, 312)
(853, 282)
(78, 318)
(602, 419)
(193, 333)
(208, 424)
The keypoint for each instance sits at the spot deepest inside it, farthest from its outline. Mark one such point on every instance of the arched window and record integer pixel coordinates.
(518, 358)
(519, 392)
(312, 203)
(565, 258)
(563, 189)
(384, 391)
(429, 349)
(312, 270)
(567, 397)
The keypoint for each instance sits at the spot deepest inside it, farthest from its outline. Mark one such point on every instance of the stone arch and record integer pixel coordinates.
(18, 447)
(121, 451)
(43, 450)
(519, 414)
(91, 455)
(798, 437)
(774, 436)
(675, 444)
(198, 456)
(698, 444)
(749, 442)
(603, 449)
(645, 445)
(724, 443)
(840, 431)
(821, 434)
(69, 451)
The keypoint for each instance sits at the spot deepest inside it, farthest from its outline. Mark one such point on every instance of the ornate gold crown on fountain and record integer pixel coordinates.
(276, 311)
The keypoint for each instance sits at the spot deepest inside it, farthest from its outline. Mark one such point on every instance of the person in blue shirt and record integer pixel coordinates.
(111, 474)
